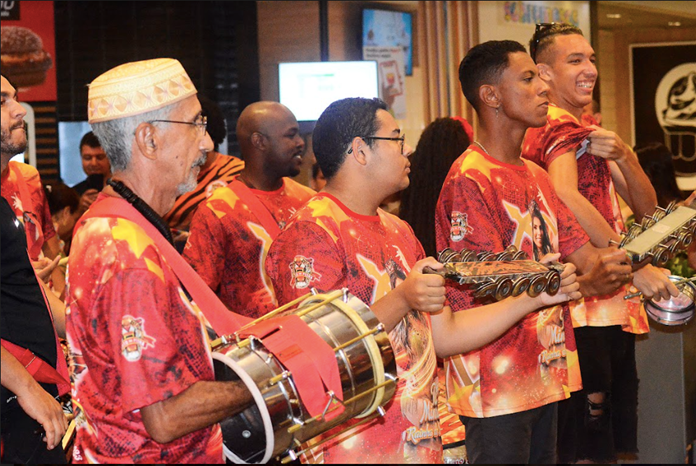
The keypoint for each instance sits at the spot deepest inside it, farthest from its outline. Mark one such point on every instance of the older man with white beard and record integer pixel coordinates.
(142, 371)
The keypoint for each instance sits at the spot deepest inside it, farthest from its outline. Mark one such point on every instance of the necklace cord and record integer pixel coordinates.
(142, 207)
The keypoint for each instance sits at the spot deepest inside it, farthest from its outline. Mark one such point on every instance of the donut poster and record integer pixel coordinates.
(664, 100)
(29, 48)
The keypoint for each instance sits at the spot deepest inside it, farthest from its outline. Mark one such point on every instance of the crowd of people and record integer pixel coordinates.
(170, 243)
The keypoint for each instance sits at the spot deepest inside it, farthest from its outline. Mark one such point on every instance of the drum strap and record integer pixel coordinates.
(307, 356)
(256, 206)
(39, 369)
(222, 320)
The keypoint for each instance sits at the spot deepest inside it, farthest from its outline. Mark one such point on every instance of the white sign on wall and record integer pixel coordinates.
(517, 20)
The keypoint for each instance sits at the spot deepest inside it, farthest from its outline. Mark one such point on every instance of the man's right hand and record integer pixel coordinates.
(42, 407)
(44, 267)
(424, 292)
(610, 271)
(87, 198)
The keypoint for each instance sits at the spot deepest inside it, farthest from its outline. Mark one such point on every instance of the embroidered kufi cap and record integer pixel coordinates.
(137, 87)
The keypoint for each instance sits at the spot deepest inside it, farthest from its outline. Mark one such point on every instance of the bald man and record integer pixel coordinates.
(233, 229)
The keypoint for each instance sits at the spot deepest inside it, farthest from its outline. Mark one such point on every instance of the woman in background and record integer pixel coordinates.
(440, 144)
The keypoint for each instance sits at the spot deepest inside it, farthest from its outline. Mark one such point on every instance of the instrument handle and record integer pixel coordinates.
(428, 269)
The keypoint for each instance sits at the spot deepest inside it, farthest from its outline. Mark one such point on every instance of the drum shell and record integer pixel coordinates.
(355, 364)
(666, 316)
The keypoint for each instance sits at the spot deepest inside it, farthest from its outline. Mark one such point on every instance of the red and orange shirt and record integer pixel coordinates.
(126, 319)
(21, 187)
(217, 175)
(486, 205)
(564, 133)
(327, 246)
(228, 245)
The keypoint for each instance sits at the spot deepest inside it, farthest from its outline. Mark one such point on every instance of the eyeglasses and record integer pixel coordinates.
(541, 31)
(402, 140)
(202, 125)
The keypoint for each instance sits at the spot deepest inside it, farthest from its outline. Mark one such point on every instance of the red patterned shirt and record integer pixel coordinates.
(228, 245)
(328, 247)
(125, 320)
(217, 175)
(486, 205)
(31, 207)
(564, 133)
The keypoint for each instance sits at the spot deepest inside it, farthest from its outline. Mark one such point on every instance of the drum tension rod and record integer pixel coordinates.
(296, 427)
(287, 459)
(280, 377)
(377, 329)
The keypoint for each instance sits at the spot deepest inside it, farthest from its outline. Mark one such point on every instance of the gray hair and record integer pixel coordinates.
(116, 136)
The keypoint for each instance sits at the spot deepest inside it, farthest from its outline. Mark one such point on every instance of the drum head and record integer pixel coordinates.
(250, 437)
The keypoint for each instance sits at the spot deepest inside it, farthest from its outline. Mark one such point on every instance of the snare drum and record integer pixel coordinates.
(676, 310)
(278, 423)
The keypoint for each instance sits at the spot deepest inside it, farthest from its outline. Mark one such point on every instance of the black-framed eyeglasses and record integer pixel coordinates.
(541, 31)
(202, 125)
(401, 139)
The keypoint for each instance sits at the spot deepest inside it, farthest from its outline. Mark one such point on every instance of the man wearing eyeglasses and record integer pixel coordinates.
(232, 230)
(341, 238)
(143, 379)
(588, 166)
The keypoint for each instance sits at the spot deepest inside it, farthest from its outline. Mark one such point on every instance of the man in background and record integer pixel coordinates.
(232, 230)
(96, 166)
(218, 170)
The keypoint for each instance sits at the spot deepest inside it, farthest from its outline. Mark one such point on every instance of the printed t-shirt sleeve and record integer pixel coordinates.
(463, 218)
(136, 305)
(302, 257)
(207, 244)
(562, 138)
(44, 214)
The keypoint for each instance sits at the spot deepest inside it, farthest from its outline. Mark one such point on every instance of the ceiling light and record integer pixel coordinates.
(673, 23)
(614, 15)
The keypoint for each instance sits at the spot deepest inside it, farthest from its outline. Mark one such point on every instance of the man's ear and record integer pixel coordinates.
(545, 71)
(489, 96)
(258, 140)
(146, 140)
(357, 150)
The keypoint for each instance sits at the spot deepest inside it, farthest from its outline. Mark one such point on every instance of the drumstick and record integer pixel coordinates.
(69, 433)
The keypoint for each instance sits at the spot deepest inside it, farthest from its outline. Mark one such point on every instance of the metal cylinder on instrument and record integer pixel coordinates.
(278, 422)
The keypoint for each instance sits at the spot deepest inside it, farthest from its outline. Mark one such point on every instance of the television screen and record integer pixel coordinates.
(384, 28)
(308, 88)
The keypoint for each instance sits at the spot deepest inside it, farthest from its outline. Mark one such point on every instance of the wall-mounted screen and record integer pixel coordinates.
(385, 28)
(308, 88)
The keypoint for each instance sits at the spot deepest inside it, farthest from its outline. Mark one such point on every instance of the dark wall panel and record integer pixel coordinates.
(215, 41)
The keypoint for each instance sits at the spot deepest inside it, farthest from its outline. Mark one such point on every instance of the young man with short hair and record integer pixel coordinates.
(341, 238)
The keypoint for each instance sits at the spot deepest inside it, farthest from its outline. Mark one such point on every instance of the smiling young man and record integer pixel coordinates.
(342, 238)
(588, 166)
(233, 229)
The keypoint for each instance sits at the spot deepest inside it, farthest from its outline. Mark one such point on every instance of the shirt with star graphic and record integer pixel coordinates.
(327, 246)
(33, 211)
(135, 340)
(228, 245)
(564, 133)
(535, 362)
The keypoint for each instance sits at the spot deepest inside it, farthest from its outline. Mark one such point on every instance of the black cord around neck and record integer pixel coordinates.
(141, 207)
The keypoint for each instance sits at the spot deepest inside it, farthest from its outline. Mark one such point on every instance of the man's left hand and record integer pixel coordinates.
(607, 144)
